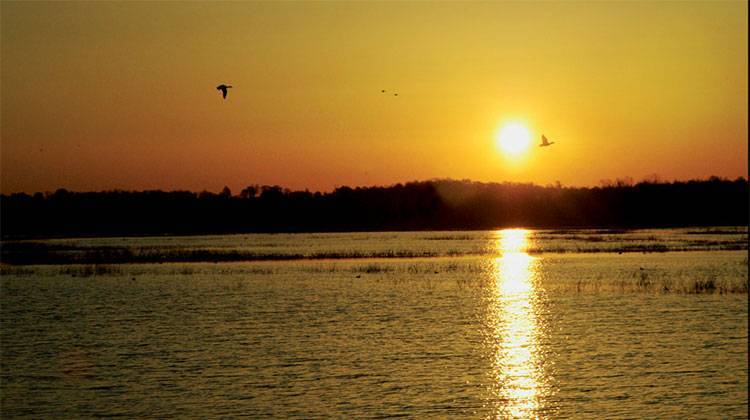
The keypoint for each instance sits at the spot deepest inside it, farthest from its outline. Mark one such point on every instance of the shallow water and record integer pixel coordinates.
(507, 333)
(259, 247)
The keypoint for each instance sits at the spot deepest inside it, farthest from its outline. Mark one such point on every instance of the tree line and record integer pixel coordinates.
(425, 205)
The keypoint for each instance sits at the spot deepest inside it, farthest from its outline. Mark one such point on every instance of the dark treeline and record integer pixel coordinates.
(435, 205)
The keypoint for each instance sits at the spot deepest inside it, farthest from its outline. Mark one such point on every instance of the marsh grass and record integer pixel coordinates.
(477, 274)
(111, 255)
(83, 270)
(719, 231)
(643, 281)
(18, 271)
(450, 238)
(463, 264)
(91, 270)
(372, 268)
(57, 255)
(314, 269)
(586, 231)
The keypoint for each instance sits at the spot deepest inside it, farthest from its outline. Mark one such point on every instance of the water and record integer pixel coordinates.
(508, 324)
(259, 247)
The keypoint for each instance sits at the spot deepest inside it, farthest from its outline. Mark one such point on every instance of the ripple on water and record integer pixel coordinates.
(512, 335)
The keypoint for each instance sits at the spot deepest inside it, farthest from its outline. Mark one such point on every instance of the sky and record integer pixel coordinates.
(122, 95)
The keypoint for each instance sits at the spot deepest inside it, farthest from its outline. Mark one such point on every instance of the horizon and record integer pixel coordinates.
(116, 95)
(626, 181)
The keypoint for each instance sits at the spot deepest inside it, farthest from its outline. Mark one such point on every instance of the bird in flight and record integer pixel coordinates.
(223, 88)
(545, 142)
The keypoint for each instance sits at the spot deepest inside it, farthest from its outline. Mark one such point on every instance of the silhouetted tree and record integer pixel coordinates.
(225, 192)
(436, 204)
(249, 192)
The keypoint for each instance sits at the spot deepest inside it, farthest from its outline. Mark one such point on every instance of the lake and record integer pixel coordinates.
(503, 324)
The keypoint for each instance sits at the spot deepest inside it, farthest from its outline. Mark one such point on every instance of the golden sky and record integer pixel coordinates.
(122, 94)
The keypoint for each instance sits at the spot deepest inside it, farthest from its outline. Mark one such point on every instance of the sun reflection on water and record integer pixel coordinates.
(517, 365)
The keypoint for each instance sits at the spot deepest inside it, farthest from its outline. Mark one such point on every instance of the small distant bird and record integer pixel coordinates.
(382, 91)
(545, 142)
(223, 88)
(395, 94)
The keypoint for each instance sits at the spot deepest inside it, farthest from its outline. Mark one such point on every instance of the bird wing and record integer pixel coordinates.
(544, 140)
(224, 93)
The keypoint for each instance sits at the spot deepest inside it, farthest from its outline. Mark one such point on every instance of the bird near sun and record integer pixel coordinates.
(223, 88)
(546, 142)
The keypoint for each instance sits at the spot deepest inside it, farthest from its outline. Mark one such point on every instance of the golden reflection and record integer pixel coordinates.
(517, 367)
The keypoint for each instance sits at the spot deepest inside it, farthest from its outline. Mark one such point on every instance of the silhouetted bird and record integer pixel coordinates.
(545, 142)
(223, 89)
(382, 91)
(395, 94)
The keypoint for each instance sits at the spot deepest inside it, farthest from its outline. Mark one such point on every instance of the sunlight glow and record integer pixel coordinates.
(518, 369)
(513, 139)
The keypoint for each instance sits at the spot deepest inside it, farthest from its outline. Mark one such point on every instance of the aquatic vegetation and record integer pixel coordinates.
(655, 281)
(708, 285)
(643, 280)
(409, 259)
(450, 238)
(18, 271)
(372, 268)
(574, 232)
(89, 270)
(24, 253)
(719, 231)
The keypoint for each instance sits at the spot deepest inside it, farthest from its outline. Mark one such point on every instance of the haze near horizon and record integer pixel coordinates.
(122, 95)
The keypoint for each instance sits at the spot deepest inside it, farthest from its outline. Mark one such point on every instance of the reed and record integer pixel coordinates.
(30, 253)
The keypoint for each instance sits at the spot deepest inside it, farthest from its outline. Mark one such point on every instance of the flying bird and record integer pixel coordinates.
(545, 142)
(223, 88)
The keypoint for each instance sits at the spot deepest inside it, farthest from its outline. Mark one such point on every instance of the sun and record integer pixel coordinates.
(513, 139)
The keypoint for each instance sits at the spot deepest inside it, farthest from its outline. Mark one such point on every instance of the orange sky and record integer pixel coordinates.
(122, 94)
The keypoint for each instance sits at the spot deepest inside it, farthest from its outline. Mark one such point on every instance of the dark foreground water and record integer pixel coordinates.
(516, 330)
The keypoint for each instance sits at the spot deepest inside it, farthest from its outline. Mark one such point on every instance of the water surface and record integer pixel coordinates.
(535, 325)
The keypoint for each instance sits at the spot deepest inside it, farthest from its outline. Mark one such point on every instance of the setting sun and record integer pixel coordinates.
(513, 139)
